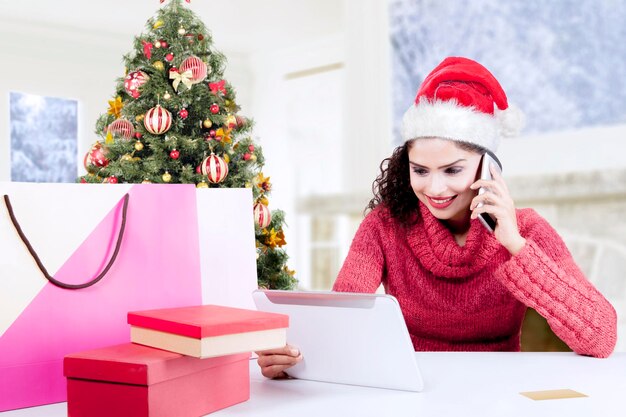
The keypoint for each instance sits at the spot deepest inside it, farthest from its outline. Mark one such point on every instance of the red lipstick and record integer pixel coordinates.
(440, 202)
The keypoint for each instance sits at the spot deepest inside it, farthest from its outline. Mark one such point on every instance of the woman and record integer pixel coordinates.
(460, 286)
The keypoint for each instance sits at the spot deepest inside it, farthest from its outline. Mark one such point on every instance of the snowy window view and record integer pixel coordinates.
(562, 62)
(43, 138)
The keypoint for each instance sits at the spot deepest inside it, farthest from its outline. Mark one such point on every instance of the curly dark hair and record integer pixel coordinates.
(392, 188)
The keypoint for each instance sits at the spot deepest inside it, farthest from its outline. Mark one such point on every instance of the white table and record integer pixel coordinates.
(457, 384)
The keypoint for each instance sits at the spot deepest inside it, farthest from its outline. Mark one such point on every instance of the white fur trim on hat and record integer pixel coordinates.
(510, 121)
(449, 120)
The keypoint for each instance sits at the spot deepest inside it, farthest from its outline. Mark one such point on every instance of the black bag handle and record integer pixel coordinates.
(43, 269)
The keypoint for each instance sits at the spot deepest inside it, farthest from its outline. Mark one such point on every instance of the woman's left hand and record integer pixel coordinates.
(497, 201)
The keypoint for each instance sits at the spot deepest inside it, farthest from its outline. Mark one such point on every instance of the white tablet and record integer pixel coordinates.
(347, 338)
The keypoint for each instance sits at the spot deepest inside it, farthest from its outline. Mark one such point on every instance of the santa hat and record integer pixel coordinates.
(461, 100)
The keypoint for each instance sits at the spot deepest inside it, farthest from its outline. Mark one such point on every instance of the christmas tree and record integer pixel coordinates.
(174, 119)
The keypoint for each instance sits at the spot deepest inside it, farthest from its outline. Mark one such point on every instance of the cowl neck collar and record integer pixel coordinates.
(436, 249)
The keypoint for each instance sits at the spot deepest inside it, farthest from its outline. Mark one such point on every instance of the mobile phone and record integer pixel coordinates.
(488, 159)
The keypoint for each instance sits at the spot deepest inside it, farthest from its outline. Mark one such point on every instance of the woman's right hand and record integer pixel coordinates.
(274, 362)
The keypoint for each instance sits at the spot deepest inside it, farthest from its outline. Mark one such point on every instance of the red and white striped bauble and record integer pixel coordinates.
(122, 128)
(215, 168)
(157, 120)
(133, 81)
(262, 215)
(197, 67)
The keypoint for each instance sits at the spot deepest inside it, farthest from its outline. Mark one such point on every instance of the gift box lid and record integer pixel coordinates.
(134, 364)
(207, 320)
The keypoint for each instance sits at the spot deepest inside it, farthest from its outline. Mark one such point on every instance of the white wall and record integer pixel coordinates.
(584, 150)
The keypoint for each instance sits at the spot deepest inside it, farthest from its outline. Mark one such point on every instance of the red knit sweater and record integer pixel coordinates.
(474, 297)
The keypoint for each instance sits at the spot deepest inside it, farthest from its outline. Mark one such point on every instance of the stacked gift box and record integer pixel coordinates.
(182, 362)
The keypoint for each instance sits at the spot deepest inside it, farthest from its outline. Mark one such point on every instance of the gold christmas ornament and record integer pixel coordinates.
(127, 157)
(226, 158)
(253, 158)
(138, 146)
(167, 96)
(202, 185)
(167, 177)
(157, 24)
(231, 121)
(115, 107)
(140, 117)
(158, 65)
(248, 185)
(263, 182)
(207, 123)
(157, 44)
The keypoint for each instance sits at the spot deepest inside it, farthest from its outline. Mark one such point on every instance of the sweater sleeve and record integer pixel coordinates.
(363, 268)
(544, 276)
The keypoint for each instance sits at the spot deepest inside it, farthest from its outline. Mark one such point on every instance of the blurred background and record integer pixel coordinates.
(327, 82)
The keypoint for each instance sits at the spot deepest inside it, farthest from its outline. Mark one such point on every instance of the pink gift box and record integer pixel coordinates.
(131, 380)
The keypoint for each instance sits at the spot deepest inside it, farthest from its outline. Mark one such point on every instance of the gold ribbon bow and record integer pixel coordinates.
(181, 77)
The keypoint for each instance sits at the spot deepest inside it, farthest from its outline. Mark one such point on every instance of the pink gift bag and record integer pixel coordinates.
(134, 247)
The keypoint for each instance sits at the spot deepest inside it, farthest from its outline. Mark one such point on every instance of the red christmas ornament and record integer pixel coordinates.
(158, 120)
(121, 128)
(133, 81)
(251, 148)
(147, 49)
(183, 113)
(197, 67)
(169, 57)
(240, 120)
(96, 157)
(218, 86)
(246, 156)
(212, 133)
(138, 135)
(163, 44)
(215, 168)
(262, 215)
(174, 154)
(214, 108)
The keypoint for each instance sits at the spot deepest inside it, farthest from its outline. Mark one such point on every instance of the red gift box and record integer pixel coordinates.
(131, 380)
(208, 331)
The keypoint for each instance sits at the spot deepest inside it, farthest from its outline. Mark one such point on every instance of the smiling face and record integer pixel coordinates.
(441, 173)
